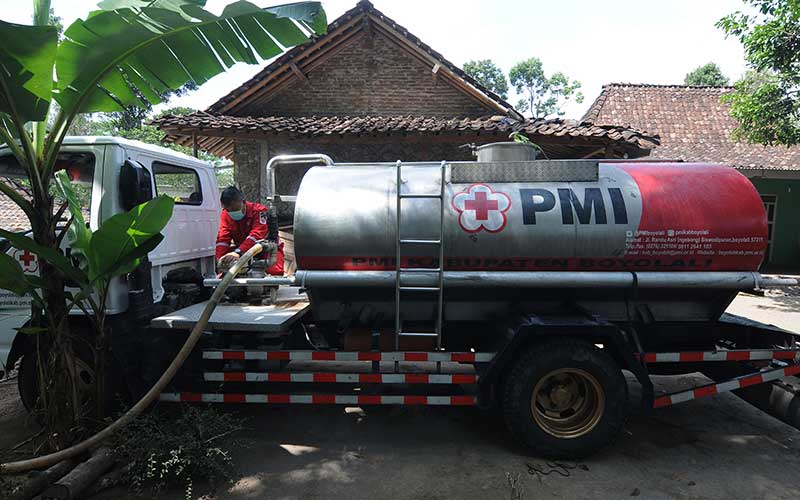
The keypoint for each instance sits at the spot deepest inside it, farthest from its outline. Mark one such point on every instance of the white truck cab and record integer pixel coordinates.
(112, 175)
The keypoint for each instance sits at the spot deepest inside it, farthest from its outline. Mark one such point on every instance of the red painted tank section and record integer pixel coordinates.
(723, 214)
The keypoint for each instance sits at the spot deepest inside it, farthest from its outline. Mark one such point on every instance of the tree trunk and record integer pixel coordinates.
(58, 405)
(72, 485)
(110, 480)
(38, 481)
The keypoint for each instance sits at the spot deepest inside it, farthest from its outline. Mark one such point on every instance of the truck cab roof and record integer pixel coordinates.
(106, 140)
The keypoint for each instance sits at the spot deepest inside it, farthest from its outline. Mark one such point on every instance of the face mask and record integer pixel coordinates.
(238, 215)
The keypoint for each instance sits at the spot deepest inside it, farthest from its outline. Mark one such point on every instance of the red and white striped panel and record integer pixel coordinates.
(343, 378)
(732, 355)
(464, 357)
(730, 385)
(317, 399)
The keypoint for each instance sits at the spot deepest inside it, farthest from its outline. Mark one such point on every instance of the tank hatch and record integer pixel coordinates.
(524, 171)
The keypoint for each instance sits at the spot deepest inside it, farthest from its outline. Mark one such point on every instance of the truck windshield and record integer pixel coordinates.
(79, 167)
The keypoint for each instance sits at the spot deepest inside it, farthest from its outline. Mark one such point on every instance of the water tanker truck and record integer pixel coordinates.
(507, 282)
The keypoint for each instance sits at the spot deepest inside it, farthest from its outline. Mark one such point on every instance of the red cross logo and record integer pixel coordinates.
(481, 204)
(481, 208)
(29, 262)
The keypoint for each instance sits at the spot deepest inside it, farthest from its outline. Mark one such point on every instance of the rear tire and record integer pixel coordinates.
(565, 399)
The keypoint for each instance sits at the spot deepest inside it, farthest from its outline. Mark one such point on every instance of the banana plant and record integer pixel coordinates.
(125, 53)
(115, 249)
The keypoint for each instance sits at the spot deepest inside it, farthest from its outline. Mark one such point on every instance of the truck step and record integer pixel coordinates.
(459, 357)
(344, 378)
(721, 355)
(729, 385)
(316, 399)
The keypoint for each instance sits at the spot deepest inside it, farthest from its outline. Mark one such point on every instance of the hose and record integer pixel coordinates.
(152, 394)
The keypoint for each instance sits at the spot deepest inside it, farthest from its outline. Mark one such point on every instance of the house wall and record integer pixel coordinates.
(248, 168)
(371, 76)
(251, 158)
(785, 253)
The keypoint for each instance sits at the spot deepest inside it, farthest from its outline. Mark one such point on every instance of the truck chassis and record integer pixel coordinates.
(745, 354)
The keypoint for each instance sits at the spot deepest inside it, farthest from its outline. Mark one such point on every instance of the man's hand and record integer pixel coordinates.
(228, 259)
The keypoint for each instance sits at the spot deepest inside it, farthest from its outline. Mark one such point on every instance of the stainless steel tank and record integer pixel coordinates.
(533, 217)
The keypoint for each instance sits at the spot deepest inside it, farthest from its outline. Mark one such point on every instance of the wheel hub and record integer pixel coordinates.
(567, 403)
(561, 396)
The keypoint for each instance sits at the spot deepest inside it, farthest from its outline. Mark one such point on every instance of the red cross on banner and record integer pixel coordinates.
(30, 264)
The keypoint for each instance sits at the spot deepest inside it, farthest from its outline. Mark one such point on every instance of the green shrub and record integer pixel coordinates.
(176, 446)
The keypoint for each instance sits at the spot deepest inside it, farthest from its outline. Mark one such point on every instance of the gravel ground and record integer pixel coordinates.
(713, 448)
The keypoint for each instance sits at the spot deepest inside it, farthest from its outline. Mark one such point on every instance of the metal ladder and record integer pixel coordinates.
(400, 270)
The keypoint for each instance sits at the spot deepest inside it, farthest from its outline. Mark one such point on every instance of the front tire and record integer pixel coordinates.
(565, 399)
(27, 380)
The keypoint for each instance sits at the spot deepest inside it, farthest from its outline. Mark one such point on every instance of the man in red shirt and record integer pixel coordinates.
(243, 224)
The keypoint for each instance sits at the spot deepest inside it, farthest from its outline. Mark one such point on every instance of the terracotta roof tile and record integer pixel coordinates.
(690, 120)
(12, 218)
(315, 126)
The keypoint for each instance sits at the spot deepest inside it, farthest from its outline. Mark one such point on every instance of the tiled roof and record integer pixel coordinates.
(315, 126)
(12, 218)
(690, 120)
(362, 10)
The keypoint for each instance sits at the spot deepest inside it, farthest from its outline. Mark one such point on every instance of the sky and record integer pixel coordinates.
(592, 41)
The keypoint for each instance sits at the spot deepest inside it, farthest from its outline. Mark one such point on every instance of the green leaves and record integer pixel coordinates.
(709, 74)
(79, 234)
(489, 75)
(767, 101)
(128, 56)
(27, 54)
(52, 255)
(116, 248)
(766, 112)
(113, 250)
(543, 95)
(12, 278)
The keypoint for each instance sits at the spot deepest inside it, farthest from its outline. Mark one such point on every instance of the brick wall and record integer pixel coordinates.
(251, 156)
(371, 76)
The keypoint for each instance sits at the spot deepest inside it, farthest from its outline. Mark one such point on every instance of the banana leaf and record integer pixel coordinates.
(130, 55)
(27, 54)
(119, 237)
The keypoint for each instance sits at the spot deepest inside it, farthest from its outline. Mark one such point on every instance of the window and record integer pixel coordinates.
(79, 168)
(770, 204)
(182, 184)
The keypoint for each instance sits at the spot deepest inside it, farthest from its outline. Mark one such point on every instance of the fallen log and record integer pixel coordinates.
(111, 479)
(38, 481)
(71, 486)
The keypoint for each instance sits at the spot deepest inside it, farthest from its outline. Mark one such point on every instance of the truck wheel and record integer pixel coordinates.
(565, 399)
(28, 380)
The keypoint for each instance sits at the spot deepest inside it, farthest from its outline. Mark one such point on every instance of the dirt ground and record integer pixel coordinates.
(712, 448)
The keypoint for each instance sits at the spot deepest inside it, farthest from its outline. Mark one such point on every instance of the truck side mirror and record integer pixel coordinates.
(135, 186)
